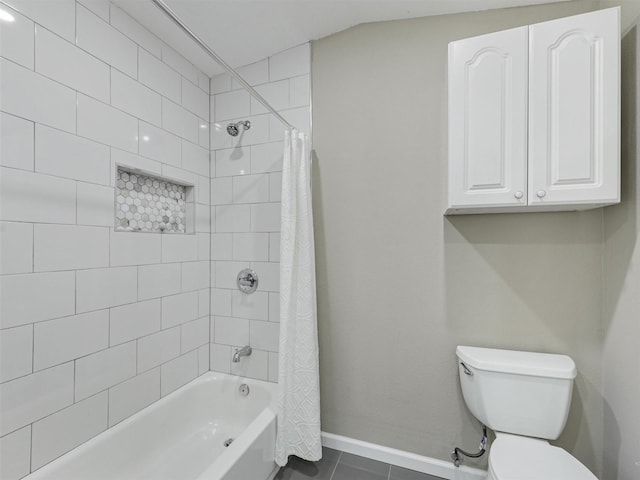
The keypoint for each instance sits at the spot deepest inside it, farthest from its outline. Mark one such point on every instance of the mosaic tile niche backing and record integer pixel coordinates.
(149, 204)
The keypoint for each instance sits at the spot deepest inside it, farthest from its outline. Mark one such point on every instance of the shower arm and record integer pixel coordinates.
(174, 17)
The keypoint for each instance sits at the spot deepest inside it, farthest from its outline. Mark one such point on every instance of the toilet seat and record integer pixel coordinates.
(514, 457)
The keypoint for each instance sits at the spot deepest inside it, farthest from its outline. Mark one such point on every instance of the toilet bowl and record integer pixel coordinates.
(513, 457)
(524, 397)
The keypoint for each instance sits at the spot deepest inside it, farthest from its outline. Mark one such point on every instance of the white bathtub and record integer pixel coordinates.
(181, 437)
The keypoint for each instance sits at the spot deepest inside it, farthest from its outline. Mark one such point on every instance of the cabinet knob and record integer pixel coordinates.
(541, 193)
(518, 194)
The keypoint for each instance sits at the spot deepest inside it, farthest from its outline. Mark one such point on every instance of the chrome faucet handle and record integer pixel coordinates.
(247, 281)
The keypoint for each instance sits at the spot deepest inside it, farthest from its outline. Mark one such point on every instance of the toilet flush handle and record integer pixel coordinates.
(466, 370)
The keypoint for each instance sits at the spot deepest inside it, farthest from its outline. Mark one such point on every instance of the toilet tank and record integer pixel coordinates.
(523, 393)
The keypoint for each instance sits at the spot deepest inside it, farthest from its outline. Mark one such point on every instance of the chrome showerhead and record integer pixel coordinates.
(234, 128)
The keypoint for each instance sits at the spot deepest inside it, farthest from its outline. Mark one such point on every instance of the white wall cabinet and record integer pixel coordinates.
(534, 117)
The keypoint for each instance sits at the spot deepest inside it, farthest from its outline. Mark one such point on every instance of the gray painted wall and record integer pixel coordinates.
(622, 293)
(399, 285)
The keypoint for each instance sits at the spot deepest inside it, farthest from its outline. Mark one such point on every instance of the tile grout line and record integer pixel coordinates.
(335, 467)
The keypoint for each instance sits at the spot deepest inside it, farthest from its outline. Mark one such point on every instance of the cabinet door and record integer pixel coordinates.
(488, 120)
(574, 109)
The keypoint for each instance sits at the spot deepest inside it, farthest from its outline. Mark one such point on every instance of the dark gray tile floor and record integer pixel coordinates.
(337, 465)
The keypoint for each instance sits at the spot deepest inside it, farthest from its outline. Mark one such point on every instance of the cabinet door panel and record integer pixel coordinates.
(574, 109)
(487, 119)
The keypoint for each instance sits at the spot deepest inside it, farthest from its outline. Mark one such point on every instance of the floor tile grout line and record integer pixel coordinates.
(335, 467)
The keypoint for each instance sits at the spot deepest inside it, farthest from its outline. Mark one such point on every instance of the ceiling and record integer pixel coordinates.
(245, 31)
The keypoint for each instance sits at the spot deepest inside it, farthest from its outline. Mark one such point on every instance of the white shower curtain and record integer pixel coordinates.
(298, 430)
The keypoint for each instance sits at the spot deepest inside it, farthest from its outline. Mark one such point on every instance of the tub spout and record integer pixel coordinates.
(241, 352)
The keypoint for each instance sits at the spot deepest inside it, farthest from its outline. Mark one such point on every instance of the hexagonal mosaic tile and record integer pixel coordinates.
(148, 204)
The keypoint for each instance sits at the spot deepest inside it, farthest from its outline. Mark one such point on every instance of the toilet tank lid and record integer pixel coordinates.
(516, 362)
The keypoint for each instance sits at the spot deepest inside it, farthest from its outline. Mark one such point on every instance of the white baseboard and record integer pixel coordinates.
(400, 458)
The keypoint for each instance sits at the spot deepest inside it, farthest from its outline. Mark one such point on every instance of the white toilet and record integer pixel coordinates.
(525, 398)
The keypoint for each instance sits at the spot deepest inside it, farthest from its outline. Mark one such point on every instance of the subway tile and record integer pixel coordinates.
(267, 157)
(195, 158)
(159, 76)
(220, 83)
(204, 246)
(269, 274)
(230, 331)
(254, 366)
(265, 217)
(299, 91)
(254, 306)
(274, 306)
(16, 352)
(159, 145)
(251, 189)
(105, 124)
(59, 16)
(179, 248)
(195, 100)
(16, 40)
(298, 117)
(133, 161)
(30, 398)
(203, 359)
(102, 370)
(204, 190)
(16, 147)
(254, 74)
(65, 63)
(181, 176)
(179, 309)
(133, 395)
(15, 454)
(274, 247)
(105, 42)
(222, 246)
(203, 218)
(290, 63)
(16, 248)
(203, 134)
(55, 293)
(32, 197)
(105, 287)
(232, 105)
(180, 121)
(134, 98)
(221, 191)
(233, 218)
(58, 341)
(179, 63)
(221, 302)
(264, 335)
(275, 93)
(30, 95)
(64, 155)
(195, 276)
(158, 348)
(220, 358)
(135, 320)
(251, 246)
(95, 205)
(136, 32)
(275, 187)
(194, 334)
(225, 273)
(69, 247)
(129, 248)
(203, 302)
(218, 136)
(65, 430)
(258, 133)
(274, 361)
(203, 82)
(158, 280)
(99, 7)
(178, 372)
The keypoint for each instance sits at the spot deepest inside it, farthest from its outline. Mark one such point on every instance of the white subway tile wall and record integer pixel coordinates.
(246, 179)
(95, 324)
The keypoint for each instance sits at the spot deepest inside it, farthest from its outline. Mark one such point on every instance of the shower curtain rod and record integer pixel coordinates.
(172, 15)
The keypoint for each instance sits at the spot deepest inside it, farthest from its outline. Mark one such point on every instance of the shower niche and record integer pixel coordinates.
(151, 204)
